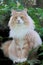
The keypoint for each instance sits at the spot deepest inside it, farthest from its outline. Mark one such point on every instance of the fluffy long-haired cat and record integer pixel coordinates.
(24, 37)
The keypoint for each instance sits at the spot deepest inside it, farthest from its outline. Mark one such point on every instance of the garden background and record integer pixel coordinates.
(35, 10)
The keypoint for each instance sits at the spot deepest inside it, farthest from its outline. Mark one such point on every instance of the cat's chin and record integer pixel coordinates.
(20, 60)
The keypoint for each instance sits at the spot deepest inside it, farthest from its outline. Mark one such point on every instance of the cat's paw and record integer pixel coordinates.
(20, 60)
(14, 61)
(23, 60)
(17, 60)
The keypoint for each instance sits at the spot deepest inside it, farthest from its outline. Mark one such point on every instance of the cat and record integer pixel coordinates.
(24, 36)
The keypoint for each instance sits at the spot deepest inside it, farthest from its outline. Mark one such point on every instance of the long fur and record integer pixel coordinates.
(24, 37)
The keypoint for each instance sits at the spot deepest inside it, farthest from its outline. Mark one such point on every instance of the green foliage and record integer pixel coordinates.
(35, 13)
(1, 38)
(29, 62)
(41, 51)
(5, 10)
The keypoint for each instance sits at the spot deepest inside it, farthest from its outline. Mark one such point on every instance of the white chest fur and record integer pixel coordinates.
(19, 32)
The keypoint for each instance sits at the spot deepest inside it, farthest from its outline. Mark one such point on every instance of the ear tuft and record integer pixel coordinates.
(13, 12)
(25, 10)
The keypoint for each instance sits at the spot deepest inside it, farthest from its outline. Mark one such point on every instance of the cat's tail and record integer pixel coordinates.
(4, 47)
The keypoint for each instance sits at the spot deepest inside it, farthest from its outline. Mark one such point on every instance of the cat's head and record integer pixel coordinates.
(20, 18)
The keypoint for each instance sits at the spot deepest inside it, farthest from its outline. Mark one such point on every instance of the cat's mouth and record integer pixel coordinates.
(19, 22)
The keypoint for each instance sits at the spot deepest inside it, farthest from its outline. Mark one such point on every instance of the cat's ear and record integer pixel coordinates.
(25, 10)
(13, 12)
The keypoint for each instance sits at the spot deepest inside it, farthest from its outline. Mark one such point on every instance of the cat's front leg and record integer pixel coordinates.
(12, 51)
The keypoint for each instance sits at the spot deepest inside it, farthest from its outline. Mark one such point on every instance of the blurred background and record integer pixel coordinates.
(34, 9)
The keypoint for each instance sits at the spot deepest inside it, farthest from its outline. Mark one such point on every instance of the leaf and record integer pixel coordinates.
(40, 54)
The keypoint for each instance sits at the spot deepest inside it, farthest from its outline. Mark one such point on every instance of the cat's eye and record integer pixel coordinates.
(19, 49)
(21, 17)
(23, 47)
(15, 17)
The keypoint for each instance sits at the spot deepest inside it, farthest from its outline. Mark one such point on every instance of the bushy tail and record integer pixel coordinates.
(4, 47)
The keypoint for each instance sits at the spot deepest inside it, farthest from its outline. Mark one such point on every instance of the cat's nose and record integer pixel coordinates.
(18, 21)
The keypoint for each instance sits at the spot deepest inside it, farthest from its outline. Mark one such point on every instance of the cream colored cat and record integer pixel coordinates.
(24, 37)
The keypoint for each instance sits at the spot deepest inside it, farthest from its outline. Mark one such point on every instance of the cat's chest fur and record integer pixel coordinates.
(19, 32)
